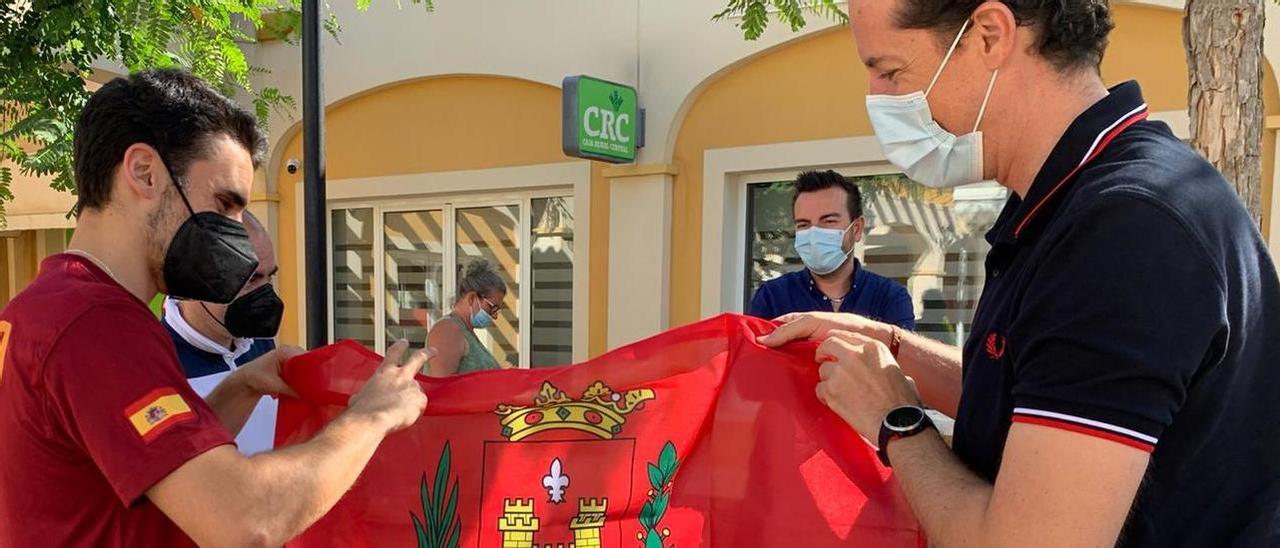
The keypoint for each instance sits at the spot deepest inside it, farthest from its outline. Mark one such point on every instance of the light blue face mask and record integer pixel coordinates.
(822, 249)
(480, 319)
(916, 144)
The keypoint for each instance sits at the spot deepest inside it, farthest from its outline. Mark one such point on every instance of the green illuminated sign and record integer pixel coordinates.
(601, 120)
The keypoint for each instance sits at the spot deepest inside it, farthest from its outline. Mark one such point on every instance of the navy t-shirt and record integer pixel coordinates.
(871, 295)
(1130, 297)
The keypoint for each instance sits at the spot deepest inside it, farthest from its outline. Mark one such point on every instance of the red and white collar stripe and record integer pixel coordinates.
(1099, 144)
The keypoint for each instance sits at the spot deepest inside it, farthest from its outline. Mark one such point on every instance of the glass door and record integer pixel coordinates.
(396, 267)
(413, 274)
(493, 233)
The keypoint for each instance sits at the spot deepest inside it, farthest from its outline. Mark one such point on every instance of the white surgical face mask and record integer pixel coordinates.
(917, 145)
(822, 249)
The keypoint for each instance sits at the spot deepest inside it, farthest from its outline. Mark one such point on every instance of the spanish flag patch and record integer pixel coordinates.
(159, 410)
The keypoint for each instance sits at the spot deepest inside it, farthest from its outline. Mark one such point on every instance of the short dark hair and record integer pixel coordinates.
(813, 181)
(1071, 34)
(172, 110)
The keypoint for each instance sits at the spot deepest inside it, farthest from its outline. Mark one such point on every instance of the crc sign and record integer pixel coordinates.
(601, 120)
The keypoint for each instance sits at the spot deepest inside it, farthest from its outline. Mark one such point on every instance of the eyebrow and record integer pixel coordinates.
(875, 62)
(237, 199)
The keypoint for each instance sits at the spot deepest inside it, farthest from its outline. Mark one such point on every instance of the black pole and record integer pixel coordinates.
(313, 191)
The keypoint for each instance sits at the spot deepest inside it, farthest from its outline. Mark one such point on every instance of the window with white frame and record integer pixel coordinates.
(395, 269)
(931, 241)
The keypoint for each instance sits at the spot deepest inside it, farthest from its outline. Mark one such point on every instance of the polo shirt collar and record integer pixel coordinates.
(193, 337)
(859, 276)
(1083, 141)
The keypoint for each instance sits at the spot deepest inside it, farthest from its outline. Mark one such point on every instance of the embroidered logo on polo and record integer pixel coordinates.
(995, 346)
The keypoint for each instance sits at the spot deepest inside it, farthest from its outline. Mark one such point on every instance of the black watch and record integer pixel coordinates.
(902, 422)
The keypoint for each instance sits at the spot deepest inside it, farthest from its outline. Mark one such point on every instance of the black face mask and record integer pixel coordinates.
(255, 315)
(209, 259)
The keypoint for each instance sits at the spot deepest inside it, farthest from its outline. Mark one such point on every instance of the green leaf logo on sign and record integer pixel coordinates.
(600, 120)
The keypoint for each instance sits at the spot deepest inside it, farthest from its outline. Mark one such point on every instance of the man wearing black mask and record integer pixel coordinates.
(213, 340)
(102, 440)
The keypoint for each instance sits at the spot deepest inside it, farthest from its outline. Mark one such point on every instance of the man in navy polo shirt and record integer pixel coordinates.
(828, 218)
(1121, 382)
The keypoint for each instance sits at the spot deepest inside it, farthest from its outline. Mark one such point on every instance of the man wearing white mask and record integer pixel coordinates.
(827, 209)
(1120, 382)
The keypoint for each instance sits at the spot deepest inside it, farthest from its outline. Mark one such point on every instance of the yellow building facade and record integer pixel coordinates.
(443, 146)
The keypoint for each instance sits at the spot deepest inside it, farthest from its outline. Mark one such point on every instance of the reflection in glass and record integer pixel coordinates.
(353, 275)
(771, 235)
(414, 274)
(551, 300)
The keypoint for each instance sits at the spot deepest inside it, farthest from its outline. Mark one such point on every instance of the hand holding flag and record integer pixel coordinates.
(392, 396)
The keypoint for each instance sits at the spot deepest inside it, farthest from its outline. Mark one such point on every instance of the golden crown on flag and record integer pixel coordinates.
(600, 411)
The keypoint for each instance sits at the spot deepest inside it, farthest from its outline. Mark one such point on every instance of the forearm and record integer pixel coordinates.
(948, 499)
(936, 369)
(297, 485)
(233, 401)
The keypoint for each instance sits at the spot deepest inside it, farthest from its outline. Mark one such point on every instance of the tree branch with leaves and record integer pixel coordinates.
(48, 50)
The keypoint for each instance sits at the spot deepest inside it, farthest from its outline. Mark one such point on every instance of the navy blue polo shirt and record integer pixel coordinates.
(1129, 297)
(871, 295)
(197, 363)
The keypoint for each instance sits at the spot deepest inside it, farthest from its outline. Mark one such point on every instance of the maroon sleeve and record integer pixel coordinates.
(116, 387)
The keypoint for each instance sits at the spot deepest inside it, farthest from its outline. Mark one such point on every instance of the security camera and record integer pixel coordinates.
(292, 166)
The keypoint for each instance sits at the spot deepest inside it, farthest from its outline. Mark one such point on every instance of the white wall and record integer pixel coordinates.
(668, 48)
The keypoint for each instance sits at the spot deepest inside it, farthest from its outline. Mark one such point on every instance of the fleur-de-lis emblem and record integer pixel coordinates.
(556, 482)
(615, 99)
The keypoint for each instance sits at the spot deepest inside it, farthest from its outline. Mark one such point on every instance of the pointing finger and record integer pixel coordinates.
(415, 363)
(395, 354)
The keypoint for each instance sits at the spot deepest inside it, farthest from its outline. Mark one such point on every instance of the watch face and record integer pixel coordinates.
(904, 418)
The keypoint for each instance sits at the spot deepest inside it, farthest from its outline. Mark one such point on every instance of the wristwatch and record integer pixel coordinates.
(901, 422)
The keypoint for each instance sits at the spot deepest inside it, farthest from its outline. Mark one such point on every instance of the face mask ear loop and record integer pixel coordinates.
(214, 318)
(947, 57)
(842, 234)
(985, 98)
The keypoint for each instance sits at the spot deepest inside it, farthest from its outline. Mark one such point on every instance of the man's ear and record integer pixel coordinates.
(859, 228)
(996, 29)
(142, 173)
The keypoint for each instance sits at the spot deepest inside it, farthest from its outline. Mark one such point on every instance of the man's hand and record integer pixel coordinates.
(861, 382)
(817, 325)
(262, 376)
(391, 396)
(234, 399)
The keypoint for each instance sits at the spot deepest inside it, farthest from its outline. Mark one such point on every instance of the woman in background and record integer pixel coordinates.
(457, 349)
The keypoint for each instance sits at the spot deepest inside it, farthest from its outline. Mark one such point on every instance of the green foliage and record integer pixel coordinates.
(48, 47)
(754, 14)
(440, 526)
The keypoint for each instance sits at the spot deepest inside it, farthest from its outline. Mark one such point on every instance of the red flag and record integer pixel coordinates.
(696, 437)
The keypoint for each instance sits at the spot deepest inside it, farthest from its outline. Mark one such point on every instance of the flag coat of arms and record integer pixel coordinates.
(696, 437)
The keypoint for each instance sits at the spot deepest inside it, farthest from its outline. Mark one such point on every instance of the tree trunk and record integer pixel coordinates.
(1223, 39)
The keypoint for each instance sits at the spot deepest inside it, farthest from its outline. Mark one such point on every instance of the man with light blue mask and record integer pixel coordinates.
(827, 209)
(1118, 387)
